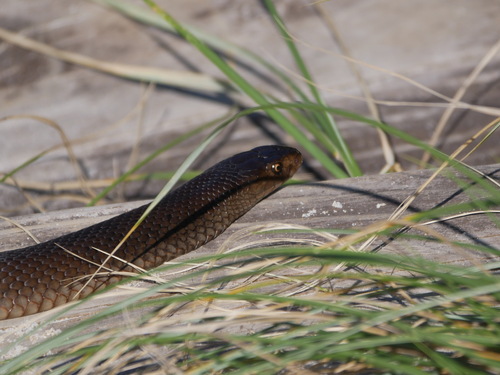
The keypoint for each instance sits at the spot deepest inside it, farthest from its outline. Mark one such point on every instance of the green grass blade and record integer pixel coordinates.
(251, 91)
(324, 118)
(123, 177)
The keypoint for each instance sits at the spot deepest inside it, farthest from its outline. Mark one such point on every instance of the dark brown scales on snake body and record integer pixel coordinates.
(40, 277)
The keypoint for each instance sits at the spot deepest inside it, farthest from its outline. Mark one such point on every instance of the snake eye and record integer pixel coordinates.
(277, 168)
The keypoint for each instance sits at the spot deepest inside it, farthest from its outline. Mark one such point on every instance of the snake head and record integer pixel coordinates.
(258, 172)
(262, 163)
(252, 174)
(273, 162)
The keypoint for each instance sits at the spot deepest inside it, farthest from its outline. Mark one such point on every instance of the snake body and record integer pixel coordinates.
(40, 277)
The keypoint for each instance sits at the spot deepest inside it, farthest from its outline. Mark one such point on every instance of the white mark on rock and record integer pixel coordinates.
(337, 204)
(380, 205)
(309, 213)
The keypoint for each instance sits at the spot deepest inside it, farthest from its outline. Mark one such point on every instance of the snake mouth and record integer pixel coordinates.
(294, 163)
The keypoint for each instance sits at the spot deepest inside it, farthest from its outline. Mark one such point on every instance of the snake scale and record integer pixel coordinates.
(40, 277)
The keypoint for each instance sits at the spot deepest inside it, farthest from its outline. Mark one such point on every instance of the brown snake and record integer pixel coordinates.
(40, 277)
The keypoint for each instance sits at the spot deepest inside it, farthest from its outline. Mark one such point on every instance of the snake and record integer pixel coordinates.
(40, 277)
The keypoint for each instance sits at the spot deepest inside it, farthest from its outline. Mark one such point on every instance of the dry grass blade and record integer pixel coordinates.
(458, 96)
(492, 111)
(30, 201)
(56, 189)
(24, 229)
(489, 129)
(388, 152)
(403, 207)
(67, 145)
(184, 79)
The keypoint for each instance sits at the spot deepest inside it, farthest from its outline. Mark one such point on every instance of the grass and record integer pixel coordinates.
(329, 305)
